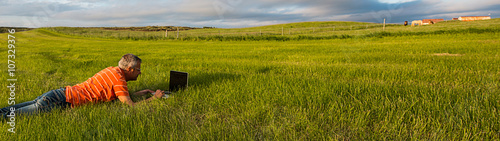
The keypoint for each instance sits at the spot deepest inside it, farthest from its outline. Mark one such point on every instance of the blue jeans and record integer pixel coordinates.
(44, 103)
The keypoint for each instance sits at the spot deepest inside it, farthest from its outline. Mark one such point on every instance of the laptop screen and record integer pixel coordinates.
(178, 80)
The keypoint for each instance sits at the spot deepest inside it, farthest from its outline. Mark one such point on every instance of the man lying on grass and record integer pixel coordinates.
(107, 85)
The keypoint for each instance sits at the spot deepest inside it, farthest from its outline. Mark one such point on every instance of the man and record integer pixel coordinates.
(107, 85)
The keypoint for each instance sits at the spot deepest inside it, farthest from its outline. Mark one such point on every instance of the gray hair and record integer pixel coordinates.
(129, 60)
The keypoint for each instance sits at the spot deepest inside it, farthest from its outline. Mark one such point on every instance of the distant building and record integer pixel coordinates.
(473, 18)
(416, 22)
(431, 21)
(454, 19)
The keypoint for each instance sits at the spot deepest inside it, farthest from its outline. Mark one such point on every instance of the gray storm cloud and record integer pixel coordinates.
(229, 13)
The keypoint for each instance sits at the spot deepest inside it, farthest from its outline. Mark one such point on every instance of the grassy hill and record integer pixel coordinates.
(5, 29)
(437, 82)
(291, 31)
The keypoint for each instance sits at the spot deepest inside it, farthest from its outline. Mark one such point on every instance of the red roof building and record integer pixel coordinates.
(431, 21)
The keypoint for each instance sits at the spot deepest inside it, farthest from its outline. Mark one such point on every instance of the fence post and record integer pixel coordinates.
(177, 33)
(166, 32)
(384, 25)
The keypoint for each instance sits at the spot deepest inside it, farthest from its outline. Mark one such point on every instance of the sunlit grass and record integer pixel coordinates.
(291, 31)
(427, 87)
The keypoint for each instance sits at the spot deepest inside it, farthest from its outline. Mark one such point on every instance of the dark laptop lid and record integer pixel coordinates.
(178, 80)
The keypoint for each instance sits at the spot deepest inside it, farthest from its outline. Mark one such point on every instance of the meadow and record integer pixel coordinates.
(281, 32)
(436, 82)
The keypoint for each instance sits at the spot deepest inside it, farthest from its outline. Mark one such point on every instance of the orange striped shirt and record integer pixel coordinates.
(104, 86)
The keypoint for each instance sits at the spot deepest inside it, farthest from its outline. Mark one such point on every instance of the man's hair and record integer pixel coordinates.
(129, 60)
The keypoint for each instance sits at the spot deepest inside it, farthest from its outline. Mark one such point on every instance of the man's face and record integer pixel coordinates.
(135, 72)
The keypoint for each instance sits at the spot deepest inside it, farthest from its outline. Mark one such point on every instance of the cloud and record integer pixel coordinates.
(34, 8)
(230, 13)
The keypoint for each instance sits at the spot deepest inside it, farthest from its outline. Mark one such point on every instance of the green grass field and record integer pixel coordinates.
(426, 86)
(284, 32)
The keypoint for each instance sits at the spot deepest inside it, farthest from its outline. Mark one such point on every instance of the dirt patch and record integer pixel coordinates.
(446, 54)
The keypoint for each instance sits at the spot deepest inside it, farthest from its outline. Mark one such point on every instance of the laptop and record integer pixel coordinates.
(178, 81)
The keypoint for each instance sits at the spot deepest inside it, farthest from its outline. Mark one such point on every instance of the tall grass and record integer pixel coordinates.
(387, 86)
(284, 32)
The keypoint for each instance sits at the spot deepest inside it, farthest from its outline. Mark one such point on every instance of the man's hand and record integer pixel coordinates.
(143, 92)
(159, 93)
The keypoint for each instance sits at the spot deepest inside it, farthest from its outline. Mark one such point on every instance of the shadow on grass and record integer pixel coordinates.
(206, 79)
(199, 81)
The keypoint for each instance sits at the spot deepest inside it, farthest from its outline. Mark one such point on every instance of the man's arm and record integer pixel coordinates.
(127, 100)
(143, 92)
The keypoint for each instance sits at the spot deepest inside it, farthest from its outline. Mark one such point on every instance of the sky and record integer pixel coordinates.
(231, 13)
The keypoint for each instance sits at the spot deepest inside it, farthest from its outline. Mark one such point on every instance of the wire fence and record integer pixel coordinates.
(324, 30)
(319, 31)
